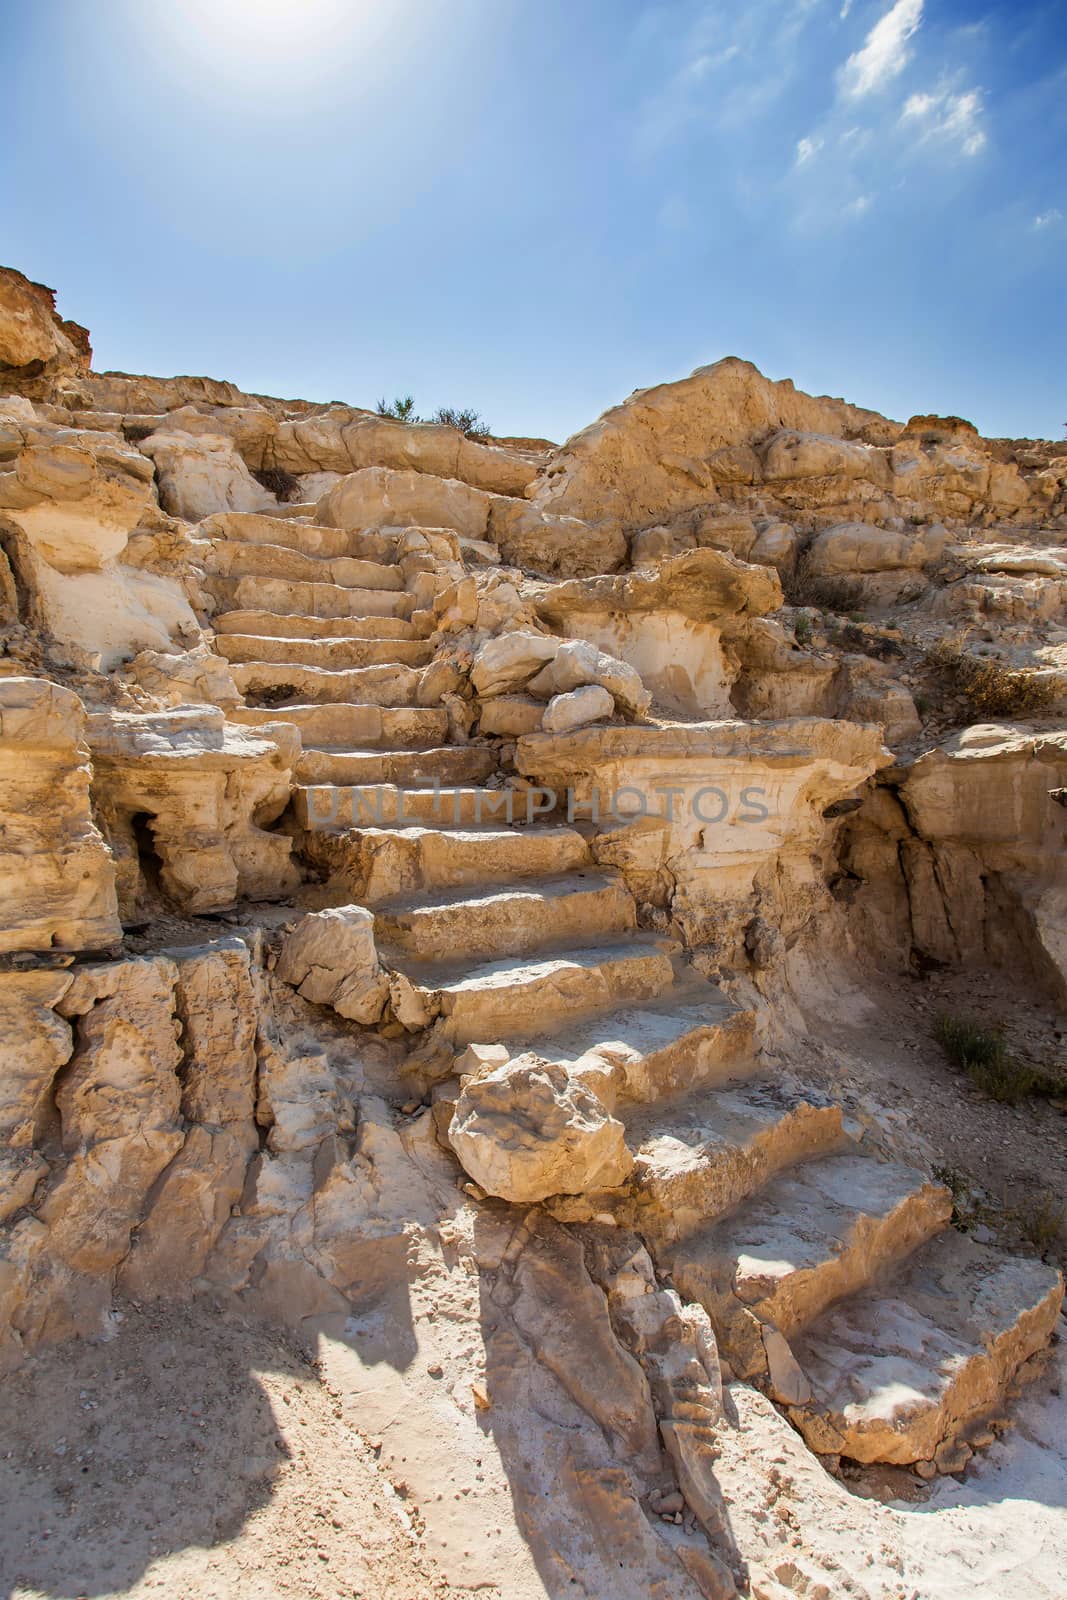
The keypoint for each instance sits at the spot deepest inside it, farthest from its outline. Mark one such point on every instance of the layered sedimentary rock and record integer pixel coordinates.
(532, 782)
(203, 788)
(58, 876)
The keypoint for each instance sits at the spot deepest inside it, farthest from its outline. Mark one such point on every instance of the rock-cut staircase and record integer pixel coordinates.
(831, 1276)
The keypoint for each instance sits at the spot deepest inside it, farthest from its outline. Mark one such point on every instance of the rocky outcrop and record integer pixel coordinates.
(40, 354)
(58, 877)
(185, 798)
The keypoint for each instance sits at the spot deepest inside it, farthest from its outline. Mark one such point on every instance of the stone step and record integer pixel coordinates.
(448, 764)
(374, 686)
(505, 998)
(809, 1237)
(914, 1363)
(700, 1156)
(250, 527)
(697, 1035)
(269, 624)
(231, 559)
(332, 806)
(327, 653)
(312, 599)
(514, 918)
(330, 730)
(369, 865)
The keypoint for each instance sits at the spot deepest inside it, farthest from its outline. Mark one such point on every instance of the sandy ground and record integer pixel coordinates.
(194, 1454)
(199, 1454)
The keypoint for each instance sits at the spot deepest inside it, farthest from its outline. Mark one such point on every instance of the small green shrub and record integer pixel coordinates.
(991, 688)
(1040, 1220)
(802, 626)
(281, 484)
(402, 409)
(135, 432)
(983, 1055)
(468, 422)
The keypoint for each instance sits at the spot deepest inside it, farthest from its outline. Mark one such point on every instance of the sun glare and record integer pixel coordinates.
(286, 40)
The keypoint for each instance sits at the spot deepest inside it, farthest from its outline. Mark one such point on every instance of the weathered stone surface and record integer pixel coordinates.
(75, 494)
(510, 661)
(704, 585)
(577, 663)
(216, 1005)
(34, 1044)
(567, 711)
(57, 879)
(856, 548)
(331, 959)
(377, 497)
(660, 451)
(199, 475)
(39, 352)
(206, 788)
(527, 1130)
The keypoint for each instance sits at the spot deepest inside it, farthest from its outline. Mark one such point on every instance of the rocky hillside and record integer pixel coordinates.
(440, 879)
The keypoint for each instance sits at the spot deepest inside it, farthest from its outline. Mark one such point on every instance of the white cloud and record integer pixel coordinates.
(846, 7)
(885, 52)
(956, 118)
(857, 207)
(807, 149)
(1047, 219)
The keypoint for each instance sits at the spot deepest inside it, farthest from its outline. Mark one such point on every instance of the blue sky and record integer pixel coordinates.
(535, 206)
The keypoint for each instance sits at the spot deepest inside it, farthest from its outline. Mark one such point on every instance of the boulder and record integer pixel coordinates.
(201, 474)
(853, 548)
(577, 663)
(385, 497)
(565, 712)
(509, 715)
(509, 661)
(528, 1130)
(330, 959)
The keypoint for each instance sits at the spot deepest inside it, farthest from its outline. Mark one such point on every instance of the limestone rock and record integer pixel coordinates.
(331, 959)
(567, 711)
(185, 677)
(656, 453)
(699, 584)
(578, 663)
(527, 1130)
(202, 474)
(855, 548)
(34, 1044)
(509, 715)
(510, 661)
(207, 788)
(39, 352)
(57, 878)
(75, 494)
(216, 1004)
(387, 497)
(565, 547)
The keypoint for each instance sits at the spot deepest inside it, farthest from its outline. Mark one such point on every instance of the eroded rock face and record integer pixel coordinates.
(204, 788)
(292, 1117)
(330, 958)
(39, 352)
(57, 875)
(528, 1129)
